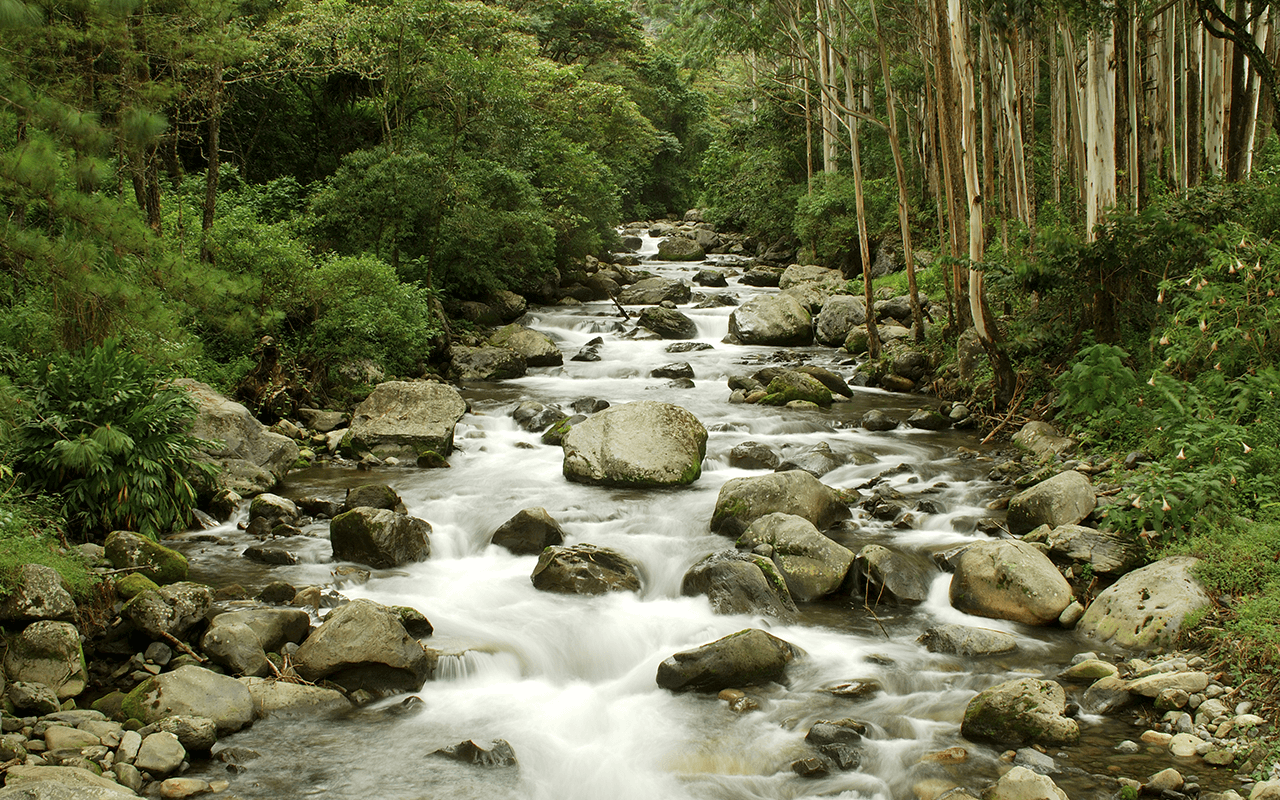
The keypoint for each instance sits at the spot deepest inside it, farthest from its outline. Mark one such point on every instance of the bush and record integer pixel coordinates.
(99, 431)
(827, 219)
(30, 533)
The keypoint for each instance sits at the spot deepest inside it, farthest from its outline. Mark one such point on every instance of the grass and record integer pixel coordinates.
(31, 533)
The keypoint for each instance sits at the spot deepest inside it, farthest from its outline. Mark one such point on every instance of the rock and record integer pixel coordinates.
(538, 349)
(1018, 712)
(170, 611)
(322, 421)
(653, 291)
(250, 458)
(1021, 783)
(508, 305)
(1064, 499)
(34, 698)
(1107, 551)
(776, 320)
(743, 500)
(928, 420)
(897, 383)
(379, 538)
(363, 645)
(1090, 669)
(161, 754)
(1145, 608)
(800, 274)
(817, 460)
(37, 594)
(911, 364)
(273, 508)
(372, 495)
(740, 659)
(405, 419)
(174, 788)
(496, 753)
(192, 691)
(753, 455)
(1153, 685)
(1166, 780)
(680, 248)
(963, 640)
(24, 782)
(1184, 745)
(1009, 579)
(840, 314)
(712, 278)
(529, 532)
(667, 323)
(680, 369)
(1106, 695)
(49, 653)
(281, 698)
(642, 444)
(130, 551)
(1044, 440)
(275, 555)
(590, 351)
(584, 569)
(813, 565)
(791, 385)
(240, 640)
(195, 734)
(877, 421)
(60, 737)
(739, 583)
(535, 417)
(1265, 790)
(471, 364)
(882, 574)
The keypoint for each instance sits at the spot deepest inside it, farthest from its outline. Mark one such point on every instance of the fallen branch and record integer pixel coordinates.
(621, 310)
(182, 646)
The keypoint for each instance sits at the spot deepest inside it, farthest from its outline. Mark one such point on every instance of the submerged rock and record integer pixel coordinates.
(496, 753)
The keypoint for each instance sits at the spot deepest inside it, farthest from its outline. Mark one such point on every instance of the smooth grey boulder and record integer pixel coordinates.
(643, 444)
(680, 248)
(192, 691)
(1022, 783)
(840, 314)
(281, 698)
(251, 459)
(172, 610)
(1064, 499)
(529, 532)
(489, 363)
(653, 291)
(37, 594)
(739, 583)
(813, 565)
(1022, 711)
(240, 640)
(753, 455)
(881, 574)
(584, 569)
(801, 274)
(406, 418)
(134, 553)
(667, 323)
(740, 659)
(964, 640)
(744, 500)
(379, 538)
(161, 754)
(195, 734)
(537, 348)
(49, 653)
(273, 508)
(372, 495)
(1145, 609)
(1044, 440)
(776, 320)
(1009, 579)
(364, 645)
(32, 698)
(810, 296)
(1107, 552)
(878, 421)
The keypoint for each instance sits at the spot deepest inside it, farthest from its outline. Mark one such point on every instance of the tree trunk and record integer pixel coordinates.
(947, 137)
(1100, 179)
(211, 178)
(864, 246)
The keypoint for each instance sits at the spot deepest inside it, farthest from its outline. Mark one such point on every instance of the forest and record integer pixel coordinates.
(1092, 187)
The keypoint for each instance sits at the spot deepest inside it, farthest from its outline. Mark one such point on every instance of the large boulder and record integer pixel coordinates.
(240, 640)
(1064, 499)
(881, 574)
(1106, 552)
(37, 594)
(372, 495)
(22, 782)
(771, 319)
(1009, 579)
(379, 538)
(364, 645)
(467, 364)
(1022, 711)
(406, 419)
(134, 553)
(584, 569)
(813, 565)
(1044, 440)
(801, 274)
(744, 500)
(536, 347)
(840, 314)
(169, 611)
(48, 652)
(680, 248)
(192, 691)
(653, 291)
(667, 323)
(251, 459)
(273, 508)
(1145, 609)
(644, 444)
(740, 659)
(529, 532)
(739, 583)
(508, 305)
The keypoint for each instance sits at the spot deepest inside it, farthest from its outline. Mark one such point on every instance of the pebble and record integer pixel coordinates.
(1164, 780)
(1128, 747)
(182, 787)
(1156, 737)
(1244, 707)
(1184, 745)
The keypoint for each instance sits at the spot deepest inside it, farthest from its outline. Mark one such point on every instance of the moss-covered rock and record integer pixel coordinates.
(134, 584)
(791, 386)
(1023, 711)
(128, 550)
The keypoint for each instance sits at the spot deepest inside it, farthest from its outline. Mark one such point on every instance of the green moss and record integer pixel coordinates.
(157, 562)
(30, 531)
(730, 510)
(134, 584)
(137, 703)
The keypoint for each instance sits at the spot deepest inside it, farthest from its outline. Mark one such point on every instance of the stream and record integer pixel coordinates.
(569, 680)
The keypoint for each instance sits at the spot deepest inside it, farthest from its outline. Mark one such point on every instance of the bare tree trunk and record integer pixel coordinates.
(864, 245)
(1100, 180)
(947, 137)
(827, 113)
(211, 178)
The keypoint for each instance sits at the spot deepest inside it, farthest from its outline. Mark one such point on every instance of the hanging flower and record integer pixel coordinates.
(1204, 326)
(1160, 297)
(1164, 340)
(1166, 506)
(1247, 448)
(1213, 348)
(1218, 366)
(1182, 454)
(1151, 381)
(1137, 502)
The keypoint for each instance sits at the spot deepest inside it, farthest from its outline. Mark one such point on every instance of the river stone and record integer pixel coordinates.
(1105, 695)
(192, 691)
(1145, 608)
(37, 593)
(537, 348)
(489, 363)
(813, 565)
(273, 508)
(171, 610)
(250, 458)
(642, 444)
(1017, 712)
(281, 698)
(61, 737)
(791, 385)
(680, 248)
(963, 640)
(739, 583)
(711, 278)
(1021, 783)
(529, 532)
(747, 657)
(1108, 552)
(161, 754)
(484, 753)
(379, 538)
(653, 291)
(679, 369)
(372, 495)
(817, 460)
(762, 275)
(667, 323)
(1153, 685)
(23, 782)
(744, 500)
(878, 421)
(1064, 499)
(584, 569)
(1091, 669)
(130, 551)
(48, 652)
(912, 365)
(840, 314)
(753, 455)
(1009, 579)
(883, 574)
(195, 734)
(405, 419)
(800, 274)
(827, 378)
(33, 698)
(775, 320)
(1044, 440)
(363, 645)
(240, 640)
(926, 419)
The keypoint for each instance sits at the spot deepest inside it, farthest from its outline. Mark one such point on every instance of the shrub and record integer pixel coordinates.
(30, 533)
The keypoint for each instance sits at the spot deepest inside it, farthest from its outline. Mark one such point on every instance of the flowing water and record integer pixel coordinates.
(569, 680)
